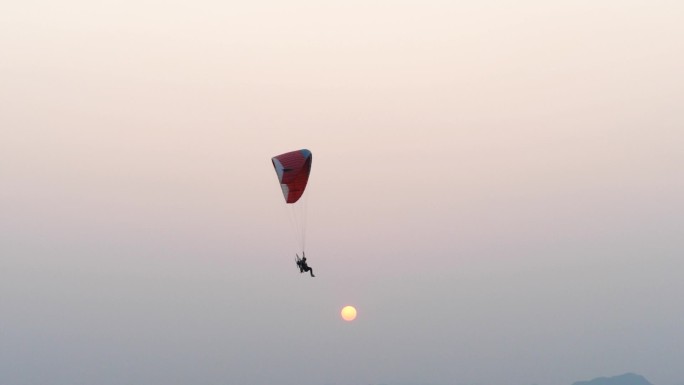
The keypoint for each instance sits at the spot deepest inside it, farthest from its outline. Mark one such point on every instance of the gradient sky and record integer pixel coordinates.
(497, 186)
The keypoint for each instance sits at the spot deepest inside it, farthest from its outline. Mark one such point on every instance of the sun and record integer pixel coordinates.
(348, 313)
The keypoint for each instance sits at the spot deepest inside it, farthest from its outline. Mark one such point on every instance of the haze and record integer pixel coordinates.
(496, 187)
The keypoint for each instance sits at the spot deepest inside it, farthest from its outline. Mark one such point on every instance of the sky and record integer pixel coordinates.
(496, 186)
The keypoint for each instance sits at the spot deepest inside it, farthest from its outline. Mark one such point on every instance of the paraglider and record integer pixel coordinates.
(303, 266)
(293, 169)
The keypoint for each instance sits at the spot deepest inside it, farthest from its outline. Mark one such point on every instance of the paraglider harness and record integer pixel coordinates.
(301, 263)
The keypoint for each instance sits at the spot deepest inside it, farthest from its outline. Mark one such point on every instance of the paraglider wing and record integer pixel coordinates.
(293, 169)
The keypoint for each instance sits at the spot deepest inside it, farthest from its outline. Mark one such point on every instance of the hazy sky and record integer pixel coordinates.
(497, 186)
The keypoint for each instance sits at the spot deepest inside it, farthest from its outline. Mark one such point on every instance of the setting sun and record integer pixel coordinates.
(348, 313)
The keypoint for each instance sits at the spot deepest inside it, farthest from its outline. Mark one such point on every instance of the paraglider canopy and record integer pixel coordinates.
(293, 169)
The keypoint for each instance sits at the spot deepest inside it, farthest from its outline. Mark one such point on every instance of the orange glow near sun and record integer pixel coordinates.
(348, 313)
